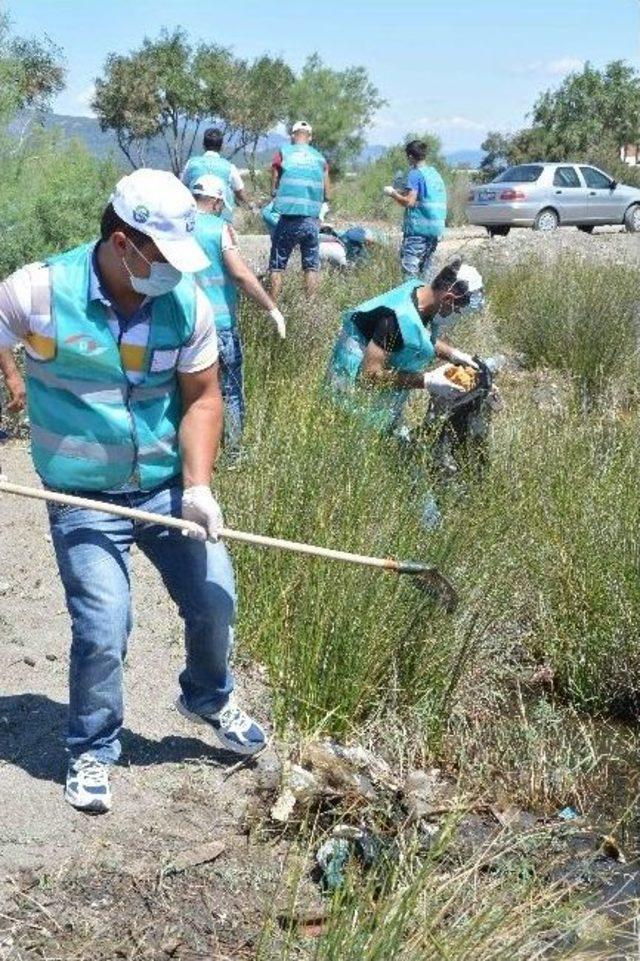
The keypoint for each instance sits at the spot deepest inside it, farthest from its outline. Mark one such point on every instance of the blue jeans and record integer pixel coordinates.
(416, 254)
(230, 360)
(92, 550)
(290, 232)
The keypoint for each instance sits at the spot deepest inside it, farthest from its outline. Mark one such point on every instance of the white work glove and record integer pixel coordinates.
(278, 320)
(199, 505)
(440, 386)
(460, 359)
(388, 191)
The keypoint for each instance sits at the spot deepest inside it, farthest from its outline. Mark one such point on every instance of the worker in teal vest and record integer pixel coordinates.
(125, 407)
(388, 344)
(220, 281)
(424, 197)
(212, 162)
(299, 186)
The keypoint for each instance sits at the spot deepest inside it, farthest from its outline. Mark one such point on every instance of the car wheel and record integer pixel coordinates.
(546, 220)
(632, 219)
(586, 228)
(500, 231)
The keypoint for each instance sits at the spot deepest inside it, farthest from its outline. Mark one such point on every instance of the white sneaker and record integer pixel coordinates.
(232, 728)
(87, 785)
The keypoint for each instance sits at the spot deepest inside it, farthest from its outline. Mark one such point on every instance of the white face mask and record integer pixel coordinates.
(162, 277)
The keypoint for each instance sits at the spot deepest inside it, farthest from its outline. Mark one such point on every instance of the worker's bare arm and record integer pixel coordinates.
(327, 185)
(201, 424)
(244, 277)
(376, 373)
(410, 199)
(13, 380)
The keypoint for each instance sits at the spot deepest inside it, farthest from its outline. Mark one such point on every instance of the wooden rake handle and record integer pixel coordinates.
(427, 576)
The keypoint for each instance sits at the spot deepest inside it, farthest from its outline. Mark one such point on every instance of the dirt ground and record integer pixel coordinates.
(172, 791)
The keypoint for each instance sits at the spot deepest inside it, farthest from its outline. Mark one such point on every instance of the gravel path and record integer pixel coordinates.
(608, 244)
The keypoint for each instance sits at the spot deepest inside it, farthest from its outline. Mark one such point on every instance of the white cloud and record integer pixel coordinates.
(550, 68)
(84, 98)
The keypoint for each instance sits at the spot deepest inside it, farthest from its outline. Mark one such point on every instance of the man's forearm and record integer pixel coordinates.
(8, 367)
(200, 434)
(388, 379)
(251, 286)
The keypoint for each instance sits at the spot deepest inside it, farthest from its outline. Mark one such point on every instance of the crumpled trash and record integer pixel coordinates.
(298, 784)
(332, 858)
(568, 814)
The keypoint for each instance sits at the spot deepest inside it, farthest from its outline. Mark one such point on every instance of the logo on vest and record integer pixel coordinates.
(85, 344)
(141, 214)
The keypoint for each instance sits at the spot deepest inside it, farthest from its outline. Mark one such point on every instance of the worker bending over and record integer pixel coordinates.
(388, 344)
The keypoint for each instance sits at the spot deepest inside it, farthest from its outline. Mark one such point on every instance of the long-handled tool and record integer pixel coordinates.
(426, 577)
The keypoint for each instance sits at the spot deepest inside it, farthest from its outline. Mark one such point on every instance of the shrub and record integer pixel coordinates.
(51, 197)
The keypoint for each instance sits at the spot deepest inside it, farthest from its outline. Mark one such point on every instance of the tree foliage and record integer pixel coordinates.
(339, 104)
(31, 71)
(168, 88)
(590, 115)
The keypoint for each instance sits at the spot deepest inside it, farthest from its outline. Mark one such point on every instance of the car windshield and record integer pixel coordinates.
(522, 174)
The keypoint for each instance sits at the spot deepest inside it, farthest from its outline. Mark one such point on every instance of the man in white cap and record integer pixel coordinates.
(300, 186)
(226, 272)
(125, 407)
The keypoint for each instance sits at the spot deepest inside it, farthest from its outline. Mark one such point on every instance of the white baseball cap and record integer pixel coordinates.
(157, 204)
(301, 125)
(209, 186)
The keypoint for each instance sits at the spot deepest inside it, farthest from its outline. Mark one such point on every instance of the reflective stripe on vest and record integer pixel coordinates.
(380, 407)
(218, 166)
(428, 217)
(301, 188)
(91, 429)
(214, 280)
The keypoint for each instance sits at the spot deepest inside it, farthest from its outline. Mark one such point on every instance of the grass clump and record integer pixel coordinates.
(577, 317)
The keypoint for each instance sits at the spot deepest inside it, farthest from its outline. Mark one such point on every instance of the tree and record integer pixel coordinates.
(31, 72)
(260, 101)
(167, 89)
(590, 108)
(339, 104)
(591, 114)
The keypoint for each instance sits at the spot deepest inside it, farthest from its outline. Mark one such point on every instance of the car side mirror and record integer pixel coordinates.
(613, 185)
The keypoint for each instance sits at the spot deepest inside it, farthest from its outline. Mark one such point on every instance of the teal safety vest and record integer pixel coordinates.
(214, 279)
(428, 217)
(218, 166)
(91, 429)
(301, 188)
(270, 217)
(378, 407)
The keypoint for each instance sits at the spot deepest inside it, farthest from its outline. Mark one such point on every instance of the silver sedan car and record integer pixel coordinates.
(548, 195)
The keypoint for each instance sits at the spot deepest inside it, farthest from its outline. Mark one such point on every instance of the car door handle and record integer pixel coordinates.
(558, 191)
(592, 193)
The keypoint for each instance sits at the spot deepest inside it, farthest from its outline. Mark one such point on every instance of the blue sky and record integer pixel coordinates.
(454, 67)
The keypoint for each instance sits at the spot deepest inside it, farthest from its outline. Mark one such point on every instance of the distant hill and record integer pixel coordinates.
(465, 158)
(104, 144)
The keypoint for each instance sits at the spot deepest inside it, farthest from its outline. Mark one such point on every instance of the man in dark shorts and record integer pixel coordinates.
(300, 185)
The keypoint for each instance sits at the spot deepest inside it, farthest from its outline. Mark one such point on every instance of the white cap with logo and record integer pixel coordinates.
(209, 186)
(301, 125)
(157, 204)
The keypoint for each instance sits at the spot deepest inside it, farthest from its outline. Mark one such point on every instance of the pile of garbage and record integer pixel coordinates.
(369, 815)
